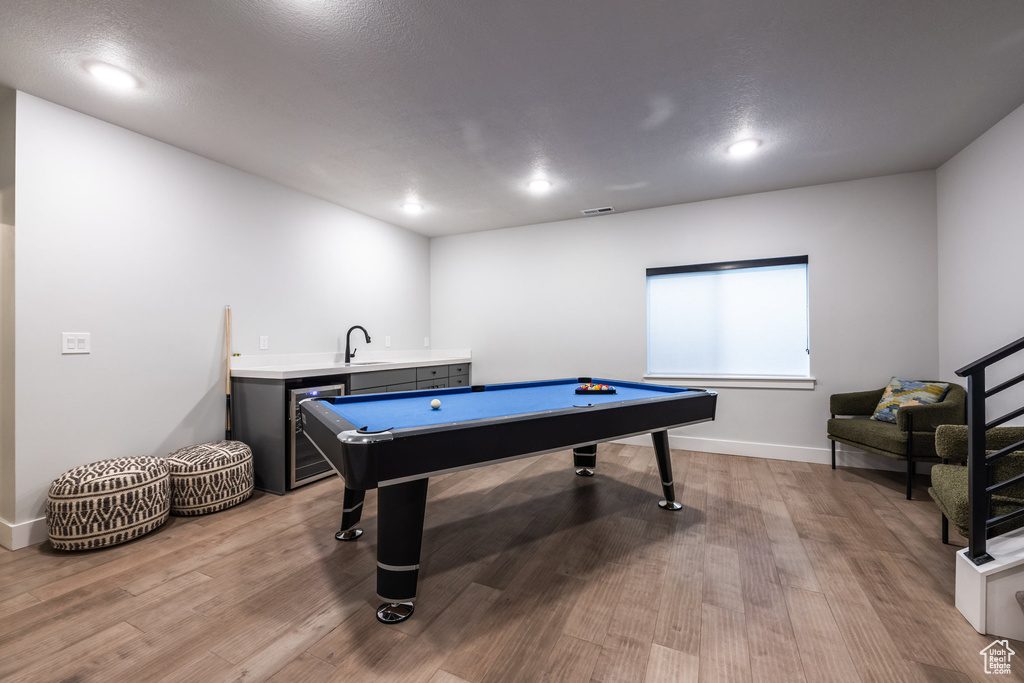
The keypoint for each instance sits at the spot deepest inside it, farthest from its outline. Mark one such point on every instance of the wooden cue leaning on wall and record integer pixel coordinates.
(227, 373)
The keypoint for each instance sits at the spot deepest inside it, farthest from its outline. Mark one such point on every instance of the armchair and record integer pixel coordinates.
(949, 480)
(912, 437)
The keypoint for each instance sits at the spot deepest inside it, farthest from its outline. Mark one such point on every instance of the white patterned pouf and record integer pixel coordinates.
(209, 477)
(107, 502)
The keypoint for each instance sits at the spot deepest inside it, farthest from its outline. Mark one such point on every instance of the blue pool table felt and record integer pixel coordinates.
(405, 410)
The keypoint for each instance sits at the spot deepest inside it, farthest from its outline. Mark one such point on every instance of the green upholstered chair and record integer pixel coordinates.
(949, 480)
(912, 438)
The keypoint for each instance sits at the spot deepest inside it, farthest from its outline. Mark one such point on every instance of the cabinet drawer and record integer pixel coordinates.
(458, 381)
(405, 386)
(460, 369)
(380, 378)
(433, 383)
(432, 372)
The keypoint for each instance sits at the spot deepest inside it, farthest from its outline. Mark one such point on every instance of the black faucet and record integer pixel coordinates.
(348, 348)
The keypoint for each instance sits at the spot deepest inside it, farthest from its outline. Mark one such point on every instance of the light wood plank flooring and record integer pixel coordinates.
(772, 571)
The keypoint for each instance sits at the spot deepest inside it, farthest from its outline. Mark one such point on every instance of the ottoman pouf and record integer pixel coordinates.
(107, 502)
(209, 477)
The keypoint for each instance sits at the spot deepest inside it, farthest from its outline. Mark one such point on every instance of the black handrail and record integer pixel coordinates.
(1005, 418)
(1006, 484)
(991, 358)
(1007, 384)
(1003, 451)
(979, 464)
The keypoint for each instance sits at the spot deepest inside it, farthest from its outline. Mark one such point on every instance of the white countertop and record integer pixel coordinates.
(296, 365)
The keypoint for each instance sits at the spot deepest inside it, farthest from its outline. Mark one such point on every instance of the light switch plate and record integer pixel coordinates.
(75, 342)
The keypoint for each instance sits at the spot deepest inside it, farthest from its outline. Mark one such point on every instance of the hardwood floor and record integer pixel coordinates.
(772, 571)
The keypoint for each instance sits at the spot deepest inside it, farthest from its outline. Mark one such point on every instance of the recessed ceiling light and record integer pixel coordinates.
(743, 148)
(540, 185)
(412, 207)
(111, 75)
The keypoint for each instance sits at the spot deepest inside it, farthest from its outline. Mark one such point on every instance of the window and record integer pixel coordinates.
(737, 318)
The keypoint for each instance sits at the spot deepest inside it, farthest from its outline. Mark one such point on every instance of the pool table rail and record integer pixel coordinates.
(369, 460)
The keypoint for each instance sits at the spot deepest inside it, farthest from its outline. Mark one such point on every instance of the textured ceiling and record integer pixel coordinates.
(622, 103)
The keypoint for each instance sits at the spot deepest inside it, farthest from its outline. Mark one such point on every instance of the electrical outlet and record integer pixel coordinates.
(387, 340)
(264, 342)
(75, 342)
(426, 341)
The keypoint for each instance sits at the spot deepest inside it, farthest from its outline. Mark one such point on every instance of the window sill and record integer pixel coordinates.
(733, 381)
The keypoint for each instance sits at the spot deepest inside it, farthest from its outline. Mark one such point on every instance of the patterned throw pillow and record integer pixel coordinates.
(907, 392)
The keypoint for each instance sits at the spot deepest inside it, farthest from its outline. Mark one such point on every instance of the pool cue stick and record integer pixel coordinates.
(227, 379)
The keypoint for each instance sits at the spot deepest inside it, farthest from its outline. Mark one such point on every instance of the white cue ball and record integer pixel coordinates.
(435, 404)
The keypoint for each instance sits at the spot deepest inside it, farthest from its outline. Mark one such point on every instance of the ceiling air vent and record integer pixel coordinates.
(594, 212)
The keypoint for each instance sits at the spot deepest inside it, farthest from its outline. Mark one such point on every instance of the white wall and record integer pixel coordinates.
(568, 298)
(981, 253)
(142, 245)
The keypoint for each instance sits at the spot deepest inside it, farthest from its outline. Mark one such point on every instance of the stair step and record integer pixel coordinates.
(985, 593)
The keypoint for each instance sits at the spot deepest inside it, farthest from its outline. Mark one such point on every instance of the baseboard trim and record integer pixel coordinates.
(17, 536)
(846, 456)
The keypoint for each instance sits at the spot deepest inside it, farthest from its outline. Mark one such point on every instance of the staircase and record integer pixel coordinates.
(990, 571)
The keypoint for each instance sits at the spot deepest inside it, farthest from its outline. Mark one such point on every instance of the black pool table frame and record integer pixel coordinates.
(399, 462)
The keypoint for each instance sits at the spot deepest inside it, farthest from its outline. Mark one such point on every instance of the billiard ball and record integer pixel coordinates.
(435, 404)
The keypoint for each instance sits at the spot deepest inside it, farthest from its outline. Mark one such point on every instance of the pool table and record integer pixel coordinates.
(395, 442)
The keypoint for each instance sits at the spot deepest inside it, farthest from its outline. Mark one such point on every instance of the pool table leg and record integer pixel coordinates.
(584, 459)
(661, 452)
(400, 510)
(351, 512)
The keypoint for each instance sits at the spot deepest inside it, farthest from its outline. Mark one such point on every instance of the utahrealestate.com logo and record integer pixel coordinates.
(997, 657)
